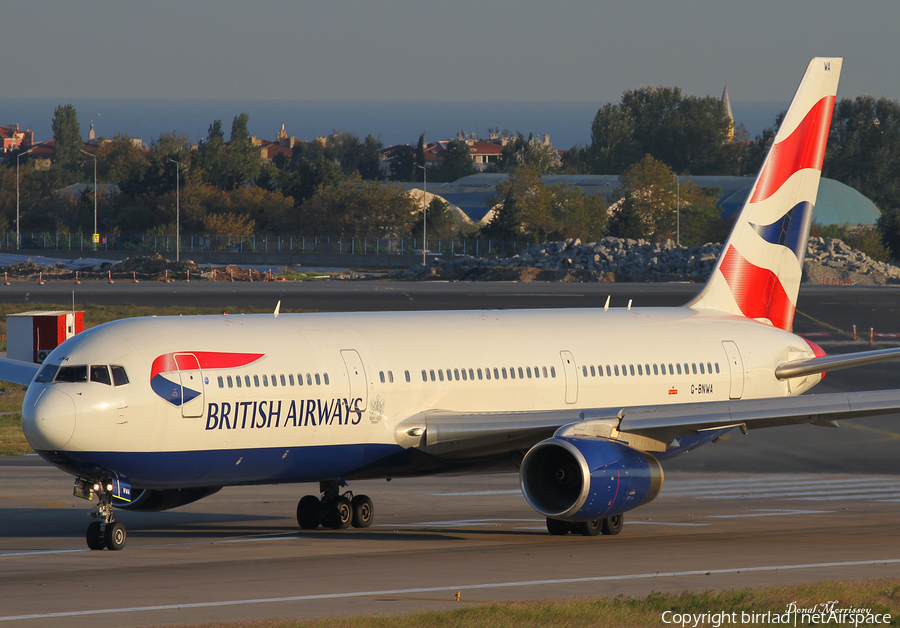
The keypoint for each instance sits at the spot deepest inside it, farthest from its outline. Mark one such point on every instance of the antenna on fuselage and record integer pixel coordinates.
(277, 308)
(606, 307)
(629, 304)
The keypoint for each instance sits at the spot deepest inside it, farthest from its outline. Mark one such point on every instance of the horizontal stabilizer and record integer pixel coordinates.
(18, 372)
(801, 368)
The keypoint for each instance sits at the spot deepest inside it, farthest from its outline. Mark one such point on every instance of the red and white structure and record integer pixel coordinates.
(31, 336)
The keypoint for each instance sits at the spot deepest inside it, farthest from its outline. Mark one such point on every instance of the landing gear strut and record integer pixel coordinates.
(334, 510)
(106, 532)
(609, 526)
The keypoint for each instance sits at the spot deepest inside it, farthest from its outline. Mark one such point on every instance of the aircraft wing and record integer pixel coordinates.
(17, 372)
(649, 428)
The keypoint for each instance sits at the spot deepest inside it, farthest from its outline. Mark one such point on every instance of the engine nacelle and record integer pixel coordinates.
(147, 500)
(583, 479)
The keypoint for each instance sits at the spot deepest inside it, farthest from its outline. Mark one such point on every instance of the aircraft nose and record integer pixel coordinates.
(49, 420)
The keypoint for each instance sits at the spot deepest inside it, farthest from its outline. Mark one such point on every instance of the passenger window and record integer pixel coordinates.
(455, 374)
(291, 378)
(424, 376)
(431, 372)
(283, 383)
(440, 375)
(407, 375)
(221, 382)
(608, 373)
(528, 371)
(256, 380)
(100, 374)
(630, 368)
(717, 367)
(521, 373)
(678, 368)
(72, 374)
(247, 380)
(472, 375)
(479, 374)
(464, 374)
(671, 370)
(318, 380)
(693, 367)
(325, 377)
(504, 372)
(553, 372)
(274, 381)
(544, 370)
(640, 372)
(616, 367)
(497, 374)
(686, 371)
(299, 379)
(230, 382)
(390, 377)
(584, 371)
(701, 369)
(600, 371)
(47, 373)
(647, 369)
(308, 379)
(381, 376)
(237, 380)
(655, 370)
(537, 372)
(593, 372)
(487, 373)
(265, 381)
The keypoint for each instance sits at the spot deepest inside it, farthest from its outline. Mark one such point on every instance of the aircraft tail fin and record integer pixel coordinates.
(758, 273)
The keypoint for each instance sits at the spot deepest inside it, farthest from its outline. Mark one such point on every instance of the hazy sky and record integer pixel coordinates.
(428, 50)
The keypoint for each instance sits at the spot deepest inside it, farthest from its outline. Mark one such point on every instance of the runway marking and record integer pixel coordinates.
(50, 503)
(769, 513)
(457, 587)
(471, 493)
(456, 523)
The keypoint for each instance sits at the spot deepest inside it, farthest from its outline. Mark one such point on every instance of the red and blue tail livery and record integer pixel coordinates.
(193, 362)
(758, 276)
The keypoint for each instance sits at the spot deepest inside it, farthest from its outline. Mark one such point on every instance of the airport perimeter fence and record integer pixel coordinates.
(262, 244)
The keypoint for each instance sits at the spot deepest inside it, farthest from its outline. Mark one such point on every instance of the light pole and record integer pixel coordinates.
(17, 193)
(177, 209)
(95, 237)
(424, 216)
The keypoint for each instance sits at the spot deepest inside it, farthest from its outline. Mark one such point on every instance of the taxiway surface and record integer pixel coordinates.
(781, 505)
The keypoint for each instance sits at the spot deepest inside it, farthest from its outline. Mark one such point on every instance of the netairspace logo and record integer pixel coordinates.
(825, 613)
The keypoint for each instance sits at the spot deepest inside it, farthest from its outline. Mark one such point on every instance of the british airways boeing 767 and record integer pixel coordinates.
(154, 413)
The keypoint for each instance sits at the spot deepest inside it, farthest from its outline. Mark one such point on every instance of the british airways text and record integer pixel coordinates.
(267, 414)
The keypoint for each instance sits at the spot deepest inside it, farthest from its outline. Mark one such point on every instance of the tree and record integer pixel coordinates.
(440, 219)
(211, 155)
(456, 165)
(352, 155)
(613, 147)
(120, 161)
(403, 164)
(652, 200)
(67, 136)
(359, 208)
(529, 153)
(241, 161)
(864, 148)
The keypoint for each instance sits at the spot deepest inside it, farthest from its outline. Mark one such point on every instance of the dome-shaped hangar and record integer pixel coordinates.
(836, 204)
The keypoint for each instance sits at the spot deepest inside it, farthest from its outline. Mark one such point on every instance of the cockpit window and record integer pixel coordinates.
(120, 377)
(100, 374)
(73, 374)
(46, 374)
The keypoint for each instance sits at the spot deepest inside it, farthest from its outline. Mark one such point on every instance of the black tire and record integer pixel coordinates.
(338, 513)
(114, 537)
(557, 527)
(590, 528)
(612, 525)
(308, 512)
(363, 511)
(94, 536)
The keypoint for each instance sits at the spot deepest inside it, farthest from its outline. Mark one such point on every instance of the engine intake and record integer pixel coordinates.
(583, 479)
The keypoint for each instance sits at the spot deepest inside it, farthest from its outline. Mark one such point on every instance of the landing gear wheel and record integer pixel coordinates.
(557, 527)
(363, 511)
(94, 536)
(590, 528)
(114, 536)
(612, 525)
(307, 512)
(338, 513)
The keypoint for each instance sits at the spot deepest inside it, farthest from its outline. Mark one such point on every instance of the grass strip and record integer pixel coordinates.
(743, 607)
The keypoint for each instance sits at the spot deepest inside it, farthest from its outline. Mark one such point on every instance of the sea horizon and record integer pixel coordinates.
(568, 123)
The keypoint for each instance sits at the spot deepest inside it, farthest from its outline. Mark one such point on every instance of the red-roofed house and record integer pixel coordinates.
(11, 138)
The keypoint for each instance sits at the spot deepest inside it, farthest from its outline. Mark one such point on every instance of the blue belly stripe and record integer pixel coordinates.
(225, 467)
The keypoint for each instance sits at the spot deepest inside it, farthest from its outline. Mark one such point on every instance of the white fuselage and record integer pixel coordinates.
(382, 368)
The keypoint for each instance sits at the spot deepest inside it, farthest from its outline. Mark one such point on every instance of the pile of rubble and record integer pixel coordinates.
(616, 259)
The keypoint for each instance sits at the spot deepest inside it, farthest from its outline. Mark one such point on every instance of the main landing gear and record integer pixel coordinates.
(334, 510)
(106, 532)
(609, 525)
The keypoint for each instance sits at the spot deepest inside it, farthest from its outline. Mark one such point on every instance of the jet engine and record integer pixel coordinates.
(584, 479)
(147, 500)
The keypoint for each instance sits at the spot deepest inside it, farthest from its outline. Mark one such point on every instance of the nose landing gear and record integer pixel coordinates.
(334, 510)
(106, 532)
